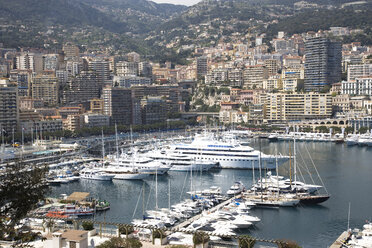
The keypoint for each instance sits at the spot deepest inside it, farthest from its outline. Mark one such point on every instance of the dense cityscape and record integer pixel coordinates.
(105, 105)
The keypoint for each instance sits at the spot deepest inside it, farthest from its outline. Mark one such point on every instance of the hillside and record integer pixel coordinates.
(212, 20)
(50, 12)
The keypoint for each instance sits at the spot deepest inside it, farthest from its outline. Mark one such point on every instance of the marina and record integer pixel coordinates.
(309, 225)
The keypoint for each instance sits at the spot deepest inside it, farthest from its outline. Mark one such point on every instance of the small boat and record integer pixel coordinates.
(236, 189)
(71, 210)
(102, 205)
(273, 137)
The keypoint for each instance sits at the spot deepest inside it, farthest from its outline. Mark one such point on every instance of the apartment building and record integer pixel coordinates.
(46, 88)
(285, 107)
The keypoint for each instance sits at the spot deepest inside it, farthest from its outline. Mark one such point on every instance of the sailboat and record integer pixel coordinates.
(267, 199)
(125, 172)
(97, 173)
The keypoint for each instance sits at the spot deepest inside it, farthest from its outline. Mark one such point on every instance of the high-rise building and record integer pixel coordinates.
(272, 66)
(118, 105)
(145, 69)
(253, 76)
(322, 63)
(23, 79)
(51, 62)
(46, 88)
(154, 110)
(202, 66)
(102, 68)
(70, 50)
(358, 71)
(125, 68)
(8, 107)
(82, 88)
(30, 61)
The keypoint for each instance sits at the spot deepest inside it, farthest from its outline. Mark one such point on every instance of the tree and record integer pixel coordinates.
(21, 188)
(287, 244)
(88, 225)
(118, 242)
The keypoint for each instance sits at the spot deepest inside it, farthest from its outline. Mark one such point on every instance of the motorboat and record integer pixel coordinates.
(236, 189)
(95, 174)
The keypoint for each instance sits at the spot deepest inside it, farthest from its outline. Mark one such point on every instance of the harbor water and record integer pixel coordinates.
(345, 171)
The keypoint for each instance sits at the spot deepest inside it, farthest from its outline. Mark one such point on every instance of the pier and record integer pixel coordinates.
(341, 240)
(213, 209)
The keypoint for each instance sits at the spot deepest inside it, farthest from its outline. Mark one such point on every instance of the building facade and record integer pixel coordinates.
(322, 63)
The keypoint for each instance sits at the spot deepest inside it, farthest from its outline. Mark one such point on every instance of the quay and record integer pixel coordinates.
(213, 209)
(341, 240)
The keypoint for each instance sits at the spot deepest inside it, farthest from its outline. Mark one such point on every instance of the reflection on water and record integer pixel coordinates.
(346, 172)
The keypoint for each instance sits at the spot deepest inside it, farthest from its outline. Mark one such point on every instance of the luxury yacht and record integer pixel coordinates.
(141, 164)
(227, 153)
(180, 162)
(95, 174)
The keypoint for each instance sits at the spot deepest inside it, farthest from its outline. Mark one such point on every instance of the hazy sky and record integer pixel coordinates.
(184, 2)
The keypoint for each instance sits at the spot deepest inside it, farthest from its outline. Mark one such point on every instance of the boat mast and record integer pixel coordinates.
(277, 172)
(117, 141)
(169, 202)
(191, 178)
(290, 165)
(294, 160)
(254, 178)
(259, 165)
(156, 188)
(348, 219)
(103, 149)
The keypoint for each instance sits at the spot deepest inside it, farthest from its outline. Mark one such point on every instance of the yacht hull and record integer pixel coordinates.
(315, 199)
(130, 176)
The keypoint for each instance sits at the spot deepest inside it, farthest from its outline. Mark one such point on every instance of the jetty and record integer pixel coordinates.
(211, 210)
(341, 240)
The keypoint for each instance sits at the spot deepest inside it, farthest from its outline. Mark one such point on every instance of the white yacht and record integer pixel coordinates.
(125, 173)
(141, 164)
(228, 154)
(95, 174)
(180, 162)
(236, 189)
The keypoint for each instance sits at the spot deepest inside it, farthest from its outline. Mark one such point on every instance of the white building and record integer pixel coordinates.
(128, 81)
(357, 71)
(96, 120)
(290, 84)
(361, 86)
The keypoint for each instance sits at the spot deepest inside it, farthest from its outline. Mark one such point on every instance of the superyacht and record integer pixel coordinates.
(228, 153)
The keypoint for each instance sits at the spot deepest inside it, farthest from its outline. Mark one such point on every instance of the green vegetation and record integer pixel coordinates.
(323, 19)
(85, 132)
(88, 225)
(21, 188)
(117, 242)
(288, 244)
